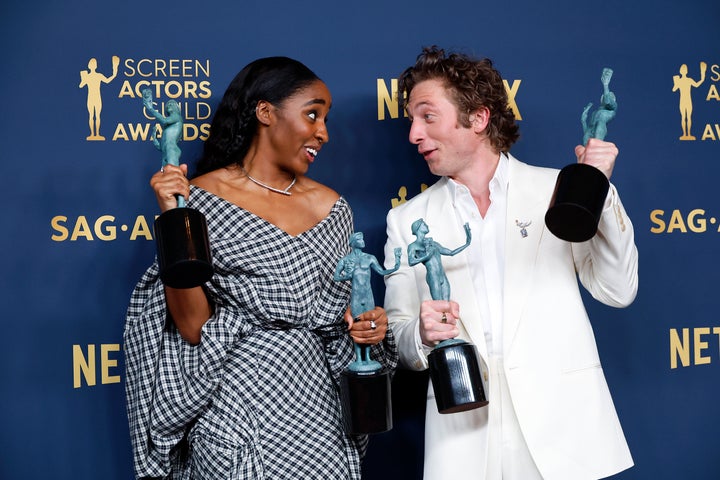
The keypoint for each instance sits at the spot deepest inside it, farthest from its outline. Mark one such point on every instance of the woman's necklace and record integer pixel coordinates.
(286, 191)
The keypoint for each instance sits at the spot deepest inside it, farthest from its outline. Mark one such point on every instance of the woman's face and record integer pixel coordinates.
(300, 127)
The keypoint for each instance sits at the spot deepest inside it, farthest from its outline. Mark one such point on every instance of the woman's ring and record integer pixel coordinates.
(443, 319)
(373, 325)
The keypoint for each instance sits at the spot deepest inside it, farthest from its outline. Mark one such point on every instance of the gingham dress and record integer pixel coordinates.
(257, 398)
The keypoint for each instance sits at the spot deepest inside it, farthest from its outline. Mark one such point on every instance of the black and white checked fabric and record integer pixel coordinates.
(258, 397)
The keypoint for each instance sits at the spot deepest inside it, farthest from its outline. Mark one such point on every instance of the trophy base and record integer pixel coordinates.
(367, 401)
(183, 248)
(577, 203)
(456, 377)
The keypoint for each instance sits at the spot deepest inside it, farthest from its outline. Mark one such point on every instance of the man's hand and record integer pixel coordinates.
(438, 321)
(598, 153)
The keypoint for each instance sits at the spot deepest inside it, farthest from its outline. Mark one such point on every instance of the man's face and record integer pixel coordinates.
(446, 146)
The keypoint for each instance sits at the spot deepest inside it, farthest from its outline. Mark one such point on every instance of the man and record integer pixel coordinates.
(515, 291)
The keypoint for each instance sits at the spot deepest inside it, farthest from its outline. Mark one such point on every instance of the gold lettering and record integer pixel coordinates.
(139, 130)
(715, 69)
(655, 218)
(190, 132)
(130, 70)
(146, 74)
(205, 89)
(679, 348)
(57, 224)
(700, 225)
(700, 346)
(708, 133)
(160, 65)
(105, 234)
(82, 229)
(120, 132)
(140, 229)
(173, 68)
(512, 92)
(106, 363)
(712, 93)
(126, 90)
(203, 110)
(205, 131)
(82, 367)
(387, 98)
(173, 89)
(199, 67)
(676, 222)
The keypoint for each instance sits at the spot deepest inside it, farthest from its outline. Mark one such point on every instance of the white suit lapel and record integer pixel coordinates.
(527, 203)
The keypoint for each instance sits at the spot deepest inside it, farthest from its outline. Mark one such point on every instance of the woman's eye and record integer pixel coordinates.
(313, 115)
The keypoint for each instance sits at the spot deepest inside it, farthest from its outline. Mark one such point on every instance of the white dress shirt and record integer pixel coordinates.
(486, 253)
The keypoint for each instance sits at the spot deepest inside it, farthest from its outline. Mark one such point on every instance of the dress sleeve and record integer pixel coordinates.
(168, 381)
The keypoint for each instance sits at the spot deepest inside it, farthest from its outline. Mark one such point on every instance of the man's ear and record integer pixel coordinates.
(479, 119)
(263, 112)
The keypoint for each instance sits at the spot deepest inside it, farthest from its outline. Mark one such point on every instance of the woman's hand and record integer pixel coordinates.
(169, 182)
(368, 328)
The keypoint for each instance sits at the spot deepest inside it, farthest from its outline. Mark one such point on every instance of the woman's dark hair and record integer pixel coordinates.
(472, 83)
(272, 79)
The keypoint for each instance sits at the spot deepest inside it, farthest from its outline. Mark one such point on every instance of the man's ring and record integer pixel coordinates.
(373, 325)
(443, 319)
(162, 169)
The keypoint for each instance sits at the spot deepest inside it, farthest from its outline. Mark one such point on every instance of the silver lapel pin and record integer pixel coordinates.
(523, 229)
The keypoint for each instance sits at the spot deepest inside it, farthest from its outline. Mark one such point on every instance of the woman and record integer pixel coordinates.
(238, 378)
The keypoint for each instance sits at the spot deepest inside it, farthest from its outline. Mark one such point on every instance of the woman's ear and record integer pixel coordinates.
(263, 112)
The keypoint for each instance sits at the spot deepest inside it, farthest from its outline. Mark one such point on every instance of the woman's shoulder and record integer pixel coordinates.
(209, 182)
(320, 196)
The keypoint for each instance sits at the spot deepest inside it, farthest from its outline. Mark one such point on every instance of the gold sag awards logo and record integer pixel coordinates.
(93, 80)
(690, 83)
(687, 83)
(185, 81)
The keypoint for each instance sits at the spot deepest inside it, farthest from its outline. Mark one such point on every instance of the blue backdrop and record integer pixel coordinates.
(78, 211)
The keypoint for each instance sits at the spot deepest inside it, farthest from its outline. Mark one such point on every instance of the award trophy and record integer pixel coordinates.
(580, 189)
(183, 248)
(454, 364)
(364, 385)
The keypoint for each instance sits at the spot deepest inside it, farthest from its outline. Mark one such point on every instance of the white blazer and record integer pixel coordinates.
(551, 362)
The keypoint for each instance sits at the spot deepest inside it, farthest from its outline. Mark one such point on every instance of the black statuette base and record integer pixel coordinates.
(456, 377)
(577, 203)
(183, 248)
(367, 401)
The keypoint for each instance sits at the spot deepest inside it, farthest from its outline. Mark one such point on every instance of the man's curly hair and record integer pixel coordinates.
(472, 83)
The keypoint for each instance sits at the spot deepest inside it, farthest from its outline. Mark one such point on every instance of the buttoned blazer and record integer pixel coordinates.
(550, 358)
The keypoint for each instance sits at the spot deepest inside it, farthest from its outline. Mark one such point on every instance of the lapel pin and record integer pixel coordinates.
(523, 227)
